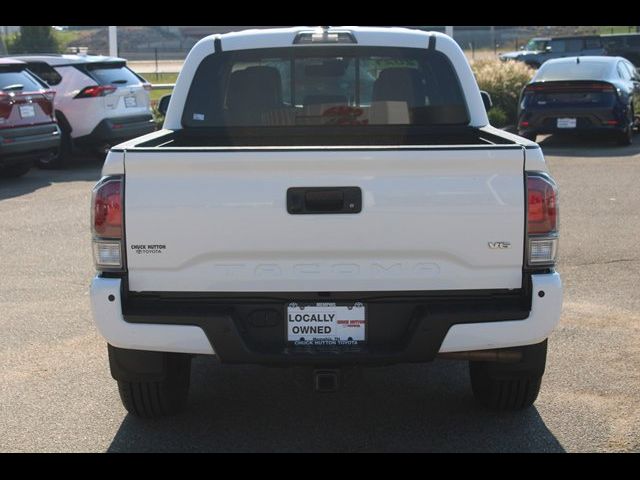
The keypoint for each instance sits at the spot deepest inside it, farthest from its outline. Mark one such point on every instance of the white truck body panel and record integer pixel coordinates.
(544, 317)
(202, 221)
(427, 219)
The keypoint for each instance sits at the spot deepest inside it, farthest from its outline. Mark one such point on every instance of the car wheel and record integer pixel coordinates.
(509, 386)
(100, 151)
(626, 137)
(60, 158)
(14, 171)
(529, 136)
(151, 393)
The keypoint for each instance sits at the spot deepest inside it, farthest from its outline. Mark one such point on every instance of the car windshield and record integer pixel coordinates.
(325, 86)
(536, 45)
(592, 70)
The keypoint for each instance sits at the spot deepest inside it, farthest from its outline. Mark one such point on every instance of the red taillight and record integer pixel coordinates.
(560, 87)
(96, 91)
(107, 209)
(5, 105)
(106, 224)
(542, 221)
(524, 123)
(542, 214)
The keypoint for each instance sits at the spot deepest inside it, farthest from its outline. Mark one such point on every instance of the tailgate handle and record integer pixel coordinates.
(314, 200)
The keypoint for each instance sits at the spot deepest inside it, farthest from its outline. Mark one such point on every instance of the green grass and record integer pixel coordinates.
(159, 78)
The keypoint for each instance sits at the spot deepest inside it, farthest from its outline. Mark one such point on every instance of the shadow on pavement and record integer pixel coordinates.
(582, 146)
(403, 408)
(79, 169)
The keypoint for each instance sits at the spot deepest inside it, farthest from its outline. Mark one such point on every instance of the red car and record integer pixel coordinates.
(28, 128)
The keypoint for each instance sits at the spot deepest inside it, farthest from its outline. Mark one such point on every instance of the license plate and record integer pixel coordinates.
(319, 324)
(27, 111)
(567, 123)
(130, 101)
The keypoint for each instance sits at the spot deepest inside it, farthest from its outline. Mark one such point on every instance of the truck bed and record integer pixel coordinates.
(309, 137)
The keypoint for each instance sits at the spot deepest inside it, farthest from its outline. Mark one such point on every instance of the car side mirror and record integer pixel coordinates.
(486, 99)
(163, 104)
(547, 49)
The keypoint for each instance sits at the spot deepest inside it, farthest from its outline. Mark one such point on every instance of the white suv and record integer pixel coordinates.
(99, 101)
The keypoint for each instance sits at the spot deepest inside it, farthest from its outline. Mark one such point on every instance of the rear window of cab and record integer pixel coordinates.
(342, 86)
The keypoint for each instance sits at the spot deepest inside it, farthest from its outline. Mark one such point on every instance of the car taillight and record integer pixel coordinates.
(96, 91)
(107, 203)
(542, 220)
(49, 95)
(5, 105)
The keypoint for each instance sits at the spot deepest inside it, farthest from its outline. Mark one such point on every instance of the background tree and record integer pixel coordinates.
(34, 39)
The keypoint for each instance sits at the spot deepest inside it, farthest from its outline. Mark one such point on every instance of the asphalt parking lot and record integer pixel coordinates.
(56, 393)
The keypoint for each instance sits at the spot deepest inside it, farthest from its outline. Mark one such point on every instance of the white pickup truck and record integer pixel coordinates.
(326, 198)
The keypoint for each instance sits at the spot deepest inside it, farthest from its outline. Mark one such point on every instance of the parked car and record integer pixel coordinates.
(534, 47)
(317, 222)
(623, 45)
(28, 128)
(559, 47)
(581, 94)
(99, 101)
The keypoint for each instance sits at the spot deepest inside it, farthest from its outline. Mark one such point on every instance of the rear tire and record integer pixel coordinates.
(15, 171)
(62, 156)
(509, 386)
(626, 137)
(529, 136)
(151, 384)
(99, 152)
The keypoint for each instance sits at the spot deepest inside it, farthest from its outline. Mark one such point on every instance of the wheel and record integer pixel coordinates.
(509, 386)
(151, 384)
(100, 151)
(14, 171)
(534, 65)
(60, 158)
(626, 137)
(529, 136)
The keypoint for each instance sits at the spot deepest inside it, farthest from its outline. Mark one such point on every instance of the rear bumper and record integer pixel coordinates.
(545, 121)
(219, 331)
(20, 144)
(117, 130)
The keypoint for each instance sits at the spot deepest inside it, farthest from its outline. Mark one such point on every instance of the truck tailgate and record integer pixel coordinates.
(216, 220)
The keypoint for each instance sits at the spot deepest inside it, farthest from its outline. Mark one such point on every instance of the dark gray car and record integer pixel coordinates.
(557, 47)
